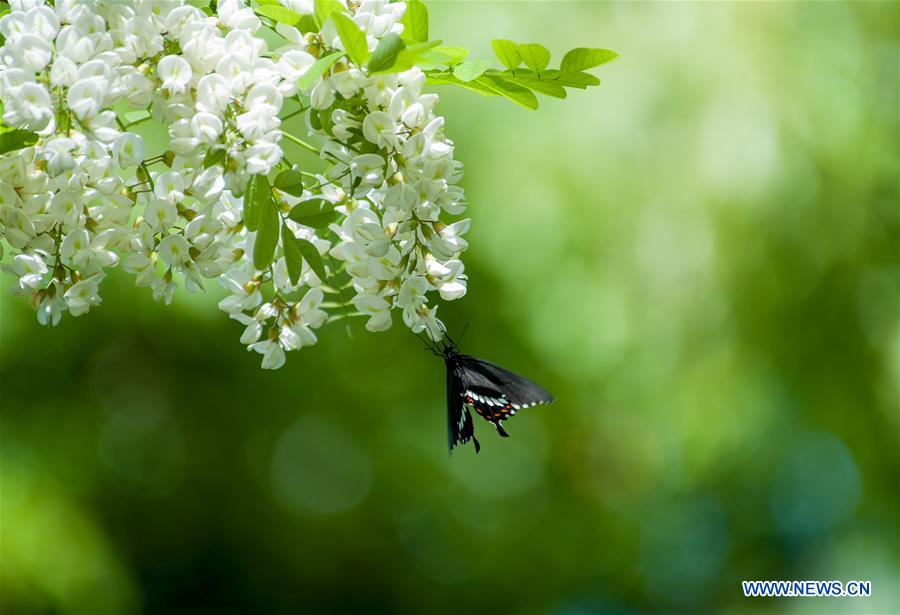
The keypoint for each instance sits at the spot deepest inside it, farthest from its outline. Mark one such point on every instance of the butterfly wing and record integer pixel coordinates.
(460, 428)
(497, 393)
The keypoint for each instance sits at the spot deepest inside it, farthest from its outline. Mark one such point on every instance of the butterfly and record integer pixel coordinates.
(492, 391)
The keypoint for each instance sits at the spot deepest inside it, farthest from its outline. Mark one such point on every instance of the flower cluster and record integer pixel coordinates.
(364, 230)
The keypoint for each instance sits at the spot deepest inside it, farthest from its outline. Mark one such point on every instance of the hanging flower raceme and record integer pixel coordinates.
(369, 226)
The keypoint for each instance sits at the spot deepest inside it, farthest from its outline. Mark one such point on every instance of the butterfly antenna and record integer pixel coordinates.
(452, 344)
(429, 345)
(465, 328)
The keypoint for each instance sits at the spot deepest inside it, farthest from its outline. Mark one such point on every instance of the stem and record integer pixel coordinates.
(301, 143)
(330, 182)
(337, 317)
(297, 112)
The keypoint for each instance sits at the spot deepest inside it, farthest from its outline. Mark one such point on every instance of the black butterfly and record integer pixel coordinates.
(493, 392)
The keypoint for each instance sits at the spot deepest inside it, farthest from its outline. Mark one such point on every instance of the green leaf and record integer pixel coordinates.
(323, 8)
(549, 88)
(451, 55)
(449, 79)
(292, 255)
(314, 120)
(312, 257)
(353, 38)
(304, 23)
(280, 14)
(213, 156)
(290, 181)
(133, 117)
(256, 199)
(507, 52)
(17, 138)
(439, 56)
(583, 58)
(385, 53)
(520, 95)
(326, 122)
(536, 57)
(266, 235)
(308, 79)
(468, 71)
(307, 24)
(415, 21)
(491, 83)
(315, 213)
(413, 55)
(577, 80)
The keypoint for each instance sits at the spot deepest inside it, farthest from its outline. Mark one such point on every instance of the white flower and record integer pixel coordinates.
(128, 149)
(32, 52)
(322, 95)
(380, 129)
(174, 250)
(244, 295)
(412, 293)
(42, 21)
(142, 265)
(263, 94)
(368, 167)
(85, 253)
(84, 295)
(213, 94)
(182, 138)
(161, 214)
(30, 270)
(448, 277)
(262, 157)
(211, 81)
(51, 306)
(452, 234)
(163, 290)
(30, 107)
(307, 316)
(208, 184)
(86, 97)
(273, 353)
(255, 323)
(180, 17)
(304, 7)
(414, 116)
(175, 73)
(234, 14)
(258, 121)
(293, 64)
(377, 309)
(206, 127)
(169, 186)
(138, 88)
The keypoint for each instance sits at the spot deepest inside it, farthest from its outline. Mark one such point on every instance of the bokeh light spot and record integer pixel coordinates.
(683, 546)
(318, 468)
(141, 444)
(816, 485)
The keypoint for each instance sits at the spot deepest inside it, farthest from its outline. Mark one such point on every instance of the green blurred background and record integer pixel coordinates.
(699, 258)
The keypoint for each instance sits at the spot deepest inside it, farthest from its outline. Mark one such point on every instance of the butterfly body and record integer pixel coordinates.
(493, 392)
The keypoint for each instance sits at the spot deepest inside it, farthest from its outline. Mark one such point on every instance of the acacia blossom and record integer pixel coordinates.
(69, 213)
(374, 229)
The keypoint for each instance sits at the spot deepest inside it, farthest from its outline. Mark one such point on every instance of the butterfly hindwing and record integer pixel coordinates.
(521, 392)
(496, 393)
(493, 392)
